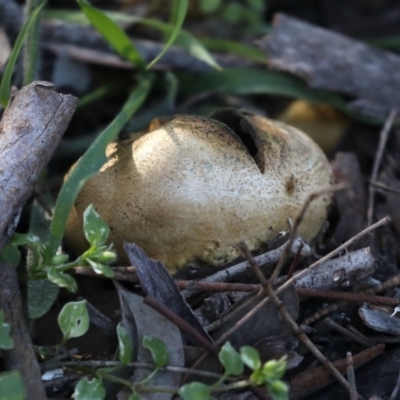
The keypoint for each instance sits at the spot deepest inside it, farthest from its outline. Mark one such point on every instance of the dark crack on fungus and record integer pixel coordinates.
(236, 120)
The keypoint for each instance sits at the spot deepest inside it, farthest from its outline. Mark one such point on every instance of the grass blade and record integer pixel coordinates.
(185, 39)
(178, 15)
(112, 33)
(232, 47)
(257, 81)
(92, 161)
(5, 86)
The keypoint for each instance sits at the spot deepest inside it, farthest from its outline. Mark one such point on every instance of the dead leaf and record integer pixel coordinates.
(139, 320)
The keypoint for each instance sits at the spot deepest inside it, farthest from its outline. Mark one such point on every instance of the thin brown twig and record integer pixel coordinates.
(347, 296)
(182, 284)
(379, 185)
(295, 328)
(396, 389)
(107, 364)
(295, 263)
(205, 343)
(297, 223)
(182, 324)
(390, 283)
(253, 265)
(383, 137)
(289, 282)
(364, 232)
(351, 377)
(359, 339)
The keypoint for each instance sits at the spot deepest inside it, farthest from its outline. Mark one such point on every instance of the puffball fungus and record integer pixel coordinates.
(192, 189)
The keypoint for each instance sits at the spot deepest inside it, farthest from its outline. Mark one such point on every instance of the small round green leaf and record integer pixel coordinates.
(12, 386)
(125, 345)
(73, 319)
(274, 369)
(230, 359)
(210, 6)
(158, 350)
(95, 229)
(42, 294)
(250, 357)
(278, 390)
(59, 259)
(89, 390)
(101, 269)
(195, 391)
(61, 279)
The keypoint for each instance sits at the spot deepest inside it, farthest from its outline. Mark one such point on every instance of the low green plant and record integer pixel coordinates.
(11, 383)
(5, 85)
(268, 374)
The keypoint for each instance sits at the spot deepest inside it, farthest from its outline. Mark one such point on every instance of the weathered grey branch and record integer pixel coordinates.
(328, 60)
(30, 131)
(22, 357)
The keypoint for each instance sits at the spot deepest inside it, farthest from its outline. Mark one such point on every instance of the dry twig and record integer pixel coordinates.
(296, 329)
(383, 137)
(31, 128)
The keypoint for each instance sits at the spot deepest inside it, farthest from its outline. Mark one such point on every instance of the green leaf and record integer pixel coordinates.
(257, 377)
(250, 357)
(179, 13)
(274, 369)
(5, 85)
(95, 229)
(62, 280)
(6, 343)
(112, 33)
(101, 269)
(21, 239)
(195, 391)
(92, 161)
(210, 6)
(230, 359)
(59, 259)
(278, 390)
(12, 386)
(42, 293)
(233, 47)
(73, 320)
(158, 350)
(125, 345)
(257, 6)
(89, 390)
(255, 81)
(105, 256)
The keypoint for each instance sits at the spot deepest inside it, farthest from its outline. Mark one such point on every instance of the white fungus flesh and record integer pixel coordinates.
(192, 189)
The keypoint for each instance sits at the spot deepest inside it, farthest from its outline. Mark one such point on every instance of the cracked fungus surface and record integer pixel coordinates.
(196, 187)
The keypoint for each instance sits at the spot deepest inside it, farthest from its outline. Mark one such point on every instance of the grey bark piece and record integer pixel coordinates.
(344, 271)
(22, 357)
(328, 60)
(379, 320)
(30, 130)
(264, 260)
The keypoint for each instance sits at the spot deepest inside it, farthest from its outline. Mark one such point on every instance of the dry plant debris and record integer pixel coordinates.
(278, 296)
